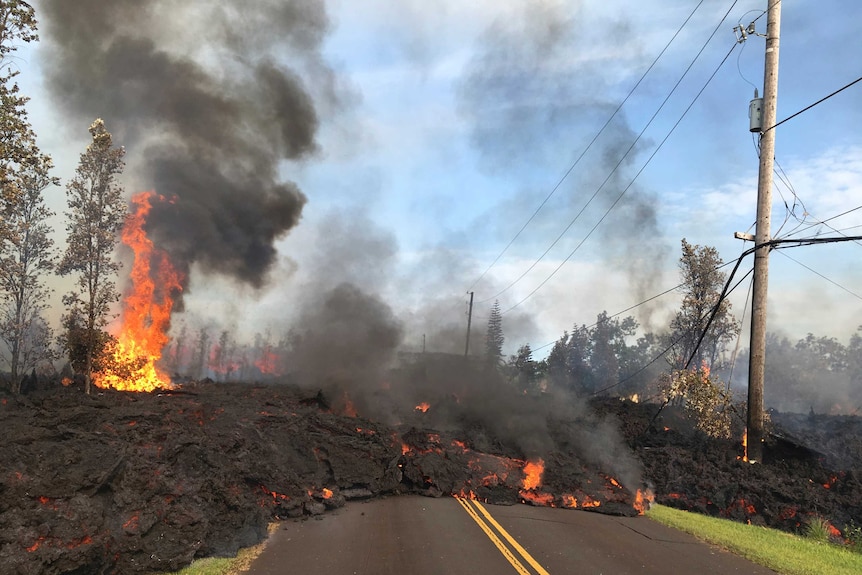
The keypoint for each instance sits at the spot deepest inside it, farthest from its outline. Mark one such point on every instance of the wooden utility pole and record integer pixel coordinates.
(762, 235)
(469, 321)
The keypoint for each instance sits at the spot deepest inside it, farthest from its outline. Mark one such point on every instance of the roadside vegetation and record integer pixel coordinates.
(224, 565)
(814, 554)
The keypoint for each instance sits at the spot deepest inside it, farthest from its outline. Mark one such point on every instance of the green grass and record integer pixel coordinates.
(223, 565)
(782, 552)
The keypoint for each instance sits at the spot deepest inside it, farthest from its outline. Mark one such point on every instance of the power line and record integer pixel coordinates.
(815, 272)
(727, 290)
(589, 146)
(644, 302)
(821, 100)
(620, 196)
(622, 158)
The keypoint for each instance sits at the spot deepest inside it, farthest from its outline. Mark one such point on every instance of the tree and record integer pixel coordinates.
(26, 255)
(702, 397)
(494, 337)
(702, 286)
(96, 215)
(17, 145)
(203, 352)
(524, 371)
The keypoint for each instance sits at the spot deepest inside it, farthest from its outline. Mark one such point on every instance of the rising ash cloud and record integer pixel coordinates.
(537, 89)
(209, 115)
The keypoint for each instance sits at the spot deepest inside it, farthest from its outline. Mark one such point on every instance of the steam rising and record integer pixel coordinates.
(536, 92)
(211, 127)
(213, 122)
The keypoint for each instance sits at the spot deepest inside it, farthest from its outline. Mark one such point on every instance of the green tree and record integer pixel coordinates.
(524, 371)
(26, 256)
(96, 215)
(17, 146)
(702, 285)
(702, 397)
(494, 338)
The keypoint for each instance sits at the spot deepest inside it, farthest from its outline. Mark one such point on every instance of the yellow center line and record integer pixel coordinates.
(519, 567)
(511, 539)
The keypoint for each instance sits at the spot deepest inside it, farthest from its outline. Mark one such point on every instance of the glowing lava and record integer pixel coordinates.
(533, 474)
(423, 407)
(146, 311)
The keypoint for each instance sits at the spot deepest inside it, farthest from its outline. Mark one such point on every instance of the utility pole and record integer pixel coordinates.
(469, 321)
(762, 235)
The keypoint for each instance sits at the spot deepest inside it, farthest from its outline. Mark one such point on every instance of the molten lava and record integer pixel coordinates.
(533, 474)
(146, 312)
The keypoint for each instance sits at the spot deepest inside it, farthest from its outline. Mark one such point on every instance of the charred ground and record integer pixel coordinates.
(133, 483)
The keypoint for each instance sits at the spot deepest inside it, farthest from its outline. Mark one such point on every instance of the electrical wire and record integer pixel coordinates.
(735, 354)
(644, 302)
(620, 196)
(623, 157)
(589, 146)
(806, 108)
(815, 272)
(772, 244)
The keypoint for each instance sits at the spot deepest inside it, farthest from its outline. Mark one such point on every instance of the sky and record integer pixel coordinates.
(441, 128)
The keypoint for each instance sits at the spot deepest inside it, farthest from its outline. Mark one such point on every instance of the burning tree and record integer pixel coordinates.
(96, 214)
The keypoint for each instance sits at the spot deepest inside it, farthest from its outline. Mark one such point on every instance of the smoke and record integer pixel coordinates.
(209, 112)
(535, 93)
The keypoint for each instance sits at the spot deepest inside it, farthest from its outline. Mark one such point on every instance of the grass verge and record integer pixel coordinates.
(782, 552)
(225, 565)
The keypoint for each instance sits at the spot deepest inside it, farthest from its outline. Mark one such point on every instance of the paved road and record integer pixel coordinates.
(423, 536)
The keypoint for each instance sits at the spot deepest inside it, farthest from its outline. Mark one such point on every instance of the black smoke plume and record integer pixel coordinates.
(195, 91)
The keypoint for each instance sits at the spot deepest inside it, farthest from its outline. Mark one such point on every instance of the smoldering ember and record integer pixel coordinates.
(131, 482)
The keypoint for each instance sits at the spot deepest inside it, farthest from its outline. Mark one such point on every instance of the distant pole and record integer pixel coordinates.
(469, 321)
(762, 235)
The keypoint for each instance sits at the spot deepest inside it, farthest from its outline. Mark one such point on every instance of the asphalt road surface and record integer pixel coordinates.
(424, 536)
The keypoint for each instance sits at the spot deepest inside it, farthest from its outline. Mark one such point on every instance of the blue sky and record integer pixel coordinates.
(457, 120)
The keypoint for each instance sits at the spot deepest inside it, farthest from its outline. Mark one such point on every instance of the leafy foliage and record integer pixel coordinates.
(702, 398)
(96, 215)
(26, 249)
(702, 286)
(494, 338)
(600, 358)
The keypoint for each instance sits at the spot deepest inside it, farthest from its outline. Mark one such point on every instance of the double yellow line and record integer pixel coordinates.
(489, 525)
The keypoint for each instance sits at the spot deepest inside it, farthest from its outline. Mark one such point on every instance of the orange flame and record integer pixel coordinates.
(266, 363)
(423, 407)
(146, 308)
(533, 471)
(643, 500)
(541, 499)
(327, 493)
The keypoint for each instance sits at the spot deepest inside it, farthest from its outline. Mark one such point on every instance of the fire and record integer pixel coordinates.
(266, 363)
(541, 499)
(348, 409)
(423, 407)
(327, 493)
(744, 445)
(643, 500)
(533, 471)
(147, 308)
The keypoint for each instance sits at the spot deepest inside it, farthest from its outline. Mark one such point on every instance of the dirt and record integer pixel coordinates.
(135, 483)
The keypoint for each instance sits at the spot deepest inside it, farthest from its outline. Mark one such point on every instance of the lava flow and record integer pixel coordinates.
(146, 309)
